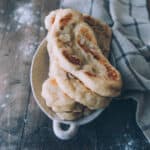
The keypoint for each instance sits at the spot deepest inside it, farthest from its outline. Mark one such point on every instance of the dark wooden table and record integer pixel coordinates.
(22, 124)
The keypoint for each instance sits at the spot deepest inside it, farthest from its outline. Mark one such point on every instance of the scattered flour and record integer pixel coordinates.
(2, 25)
(16, 56)
(2, 11)
(18, 26)
(37, 12)
(127, 143)
(24, 14)
(8, 28)
(130, 143)
(4, 82)
(25, 120)
(7, 96)
(41, 28)
(3, 105)
(126, 148)
(29, 50)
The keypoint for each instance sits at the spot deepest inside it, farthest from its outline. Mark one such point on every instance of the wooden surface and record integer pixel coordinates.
(22, 124)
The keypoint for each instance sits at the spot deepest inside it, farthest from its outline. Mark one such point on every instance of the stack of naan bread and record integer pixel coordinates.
(81, 79)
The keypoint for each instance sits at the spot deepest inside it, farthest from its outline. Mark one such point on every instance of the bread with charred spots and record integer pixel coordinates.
(76, 48)
(67, 82)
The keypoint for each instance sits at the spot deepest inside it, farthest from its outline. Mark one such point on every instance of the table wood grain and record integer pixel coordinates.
(22, 124)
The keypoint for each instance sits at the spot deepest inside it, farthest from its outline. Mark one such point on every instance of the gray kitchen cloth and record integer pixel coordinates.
(130, 51)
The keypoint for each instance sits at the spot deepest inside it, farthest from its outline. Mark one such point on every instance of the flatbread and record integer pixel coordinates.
(77, 51)
(101, 30)
(56, 99)
(76, 90)
(70, 84)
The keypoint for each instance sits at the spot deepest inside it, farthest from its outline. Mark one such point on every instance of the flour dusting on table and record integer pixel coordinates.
(2, 11)
(127, 142)
(3, 105)
(7, 96)
(24, 14)
(2, 25)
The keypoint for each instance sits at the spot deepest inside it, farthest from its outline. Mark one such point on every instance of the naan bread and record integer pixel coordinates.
(62, 105)
(57, 100)
(75, 46)
(70, 84)
(76, 90)
(101, 30)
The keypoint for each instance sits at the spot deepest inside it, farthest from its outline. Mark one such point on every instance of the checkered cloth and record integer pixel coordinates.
(130, 51)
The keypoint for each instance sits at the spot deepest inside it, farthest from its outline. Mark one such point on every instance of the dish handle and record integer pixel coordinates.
(64, 134)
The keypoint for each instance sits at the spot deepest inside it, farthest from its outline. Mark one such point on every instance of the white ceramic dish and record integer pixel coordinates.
(39, 72)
